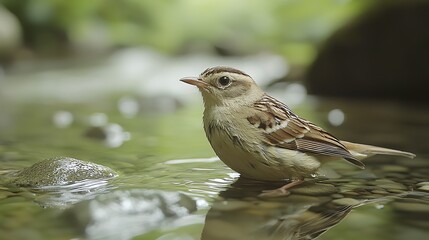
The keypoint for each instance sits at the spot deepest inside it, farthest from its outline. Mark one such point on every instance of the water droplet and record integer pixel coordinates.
(379, 206)
(98, 119)
(116, 135)
(62, 119)
(295, 94)
(128, 106)
(336, 117)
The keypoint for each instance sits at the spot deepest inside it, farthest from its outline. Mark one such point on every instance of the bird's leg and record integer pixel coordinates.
(281, 191)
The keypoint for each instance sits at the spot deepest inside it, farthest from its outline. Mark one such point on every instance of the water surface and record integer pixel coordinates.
(161, 145)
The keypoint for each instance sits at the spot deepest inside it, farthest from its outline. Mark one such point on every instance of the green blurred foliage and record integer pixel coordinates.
(178, 26)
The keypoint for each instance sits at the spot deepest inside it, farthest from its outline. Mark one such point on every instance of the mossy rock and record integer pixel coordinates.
(61, 171)
(317, 189)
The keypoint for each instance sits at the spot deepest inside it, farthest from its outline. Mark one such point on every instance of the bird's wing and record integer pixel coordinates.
(282, 128)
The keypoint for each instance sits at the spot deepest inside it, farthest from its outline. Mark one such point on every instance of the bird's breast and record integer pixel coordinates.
(244, 157)
(239, 145)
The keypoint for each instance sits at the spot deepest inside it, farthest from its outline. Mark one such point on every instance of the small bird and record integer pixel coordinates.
(261, 138)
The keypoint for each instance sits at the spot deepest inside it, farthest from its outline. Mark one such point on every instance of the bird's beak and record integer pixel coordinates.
(194, 81)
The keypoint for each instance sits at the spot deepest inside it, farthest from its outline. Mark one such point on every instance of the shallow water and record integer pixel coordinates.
(154, 148)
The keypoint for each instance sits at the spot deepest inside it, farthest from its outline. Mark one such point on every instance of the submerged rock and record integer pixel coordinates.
(389, 184)
(424, 188)
(61, 171)
(123, 214)
(317, 189)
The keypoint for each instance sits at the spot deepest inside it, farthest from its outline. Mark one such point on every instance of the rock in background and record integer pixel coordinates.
(382, 54)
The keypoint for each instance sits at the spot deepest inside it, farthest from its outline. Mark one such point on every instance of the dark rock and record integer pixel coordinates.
(381, 54)
(96, 133)
(112, 134)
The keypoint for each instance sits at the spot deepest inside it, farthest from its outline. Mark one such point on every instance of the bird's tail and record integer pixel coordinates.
(361, 151)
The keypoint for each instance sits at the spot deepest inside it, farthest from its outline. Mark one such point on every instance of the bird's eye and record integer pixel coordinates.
(224, 81)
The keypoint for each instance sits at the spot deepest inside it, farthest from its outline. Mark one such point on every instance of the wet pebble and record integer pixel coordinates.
(362, 191)
(317, 189)
(380, 191)
(353, 185)
(424, 188)
(337, 195)
(350, 193)
(395, 191)
(346, 201)
(422, 183)
(389, 184)
(367, 188)
(364, 174)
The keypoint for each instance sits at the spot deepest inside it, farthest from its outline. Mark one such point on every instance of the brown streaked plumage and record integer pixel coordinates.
(286, 130)
(261, 138)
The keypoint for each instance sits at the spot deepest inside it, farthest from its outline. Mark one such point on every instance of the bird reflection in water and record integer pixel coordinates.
(239, 214)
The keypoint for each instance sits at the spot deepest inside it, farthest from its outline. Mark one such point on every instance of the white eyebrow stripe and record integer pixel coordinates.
(277, 127)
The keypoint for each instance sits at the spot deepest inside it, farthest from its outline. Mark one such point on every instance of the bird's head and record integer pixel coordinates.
(225, 86)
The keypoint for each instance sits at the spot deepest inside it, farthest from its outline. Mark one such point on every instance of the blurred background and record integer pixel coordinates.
(340, 47)
(98, 80)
